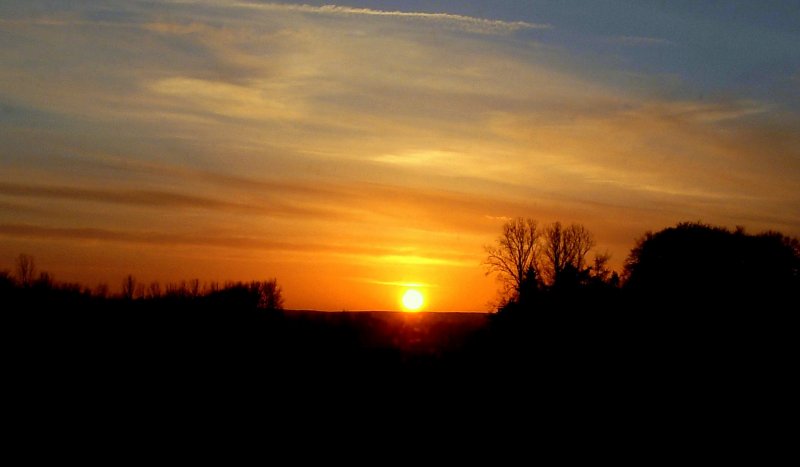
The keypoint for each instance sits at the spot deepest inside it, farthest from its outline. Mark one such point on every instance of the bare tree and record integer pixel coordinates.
(194, 288)
(600, 269)
(140, 291)
(128, 287)
(565, 247)
(154, 290)
(270, 296)
(5, 279)
(514, 253)
(25, 269)
(101, 291)
(211, 287)
(45, 281)
(555, 255)
(172, 289)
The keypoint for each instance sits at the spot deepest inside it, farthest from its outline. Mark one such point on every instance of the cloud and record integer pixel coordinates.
(674, 149)
(641, 41)
(431, 160)
(131, 197)
(421, 261)
(253, 101)
(466, 23)
(179, 29)
(710, 112)
(173, 173)
(42, 21)
(394, 283)
(169, 239)
(361, 252)
(154, 199)
(418, 207)
(19, 208)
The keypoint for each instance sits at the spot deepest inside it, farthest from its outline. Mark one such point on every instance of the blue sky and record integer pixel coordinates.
(741, 47)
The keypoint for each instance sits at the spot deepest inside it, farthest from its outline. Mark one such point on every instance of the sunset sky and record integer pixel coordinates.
(349, 150)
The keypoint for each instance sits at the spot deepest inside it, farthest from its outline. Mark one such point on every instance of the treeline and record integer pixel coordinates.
(696, 306)
(688, 266)
(28, 287)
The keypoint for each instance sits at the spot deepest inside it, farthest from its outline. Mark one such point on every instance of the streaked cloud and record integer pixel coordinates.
(421, 260)
(152, 198)
(136, 197)
(359, 252)
(395, 283)
(467, 23)
(226, 99)
(642, 41)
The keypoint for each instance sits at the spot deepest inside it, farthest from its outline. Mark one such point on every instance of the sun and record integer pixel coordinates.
(413, 300)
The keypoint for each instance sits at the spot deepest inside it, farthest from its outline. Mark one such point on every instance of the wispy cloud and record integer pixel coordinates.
(131, 197)
(369, 254)
(155, 199)
(710, 112)
(421, 261)
(467, 23)
(641, 41)
(394, 283)
(217, 97)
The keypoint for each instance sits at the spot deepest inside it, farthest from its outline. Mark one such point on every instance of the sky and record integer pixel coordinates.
(351, 150)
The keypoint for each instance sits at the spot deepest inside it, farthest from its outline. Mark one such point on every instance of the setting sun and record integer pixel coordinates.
(413, 300)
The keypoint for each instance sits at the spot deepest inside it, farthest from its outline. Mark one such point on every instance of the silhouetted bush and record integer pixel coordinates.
(698, 262)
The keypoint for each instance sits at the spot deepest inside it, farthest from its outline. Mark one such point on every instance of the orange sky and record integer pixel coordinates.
(348, 152)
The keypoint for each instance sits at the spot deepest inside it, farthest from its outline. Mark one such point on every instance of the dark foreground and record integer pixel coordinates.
(160, 345)
(149, 368)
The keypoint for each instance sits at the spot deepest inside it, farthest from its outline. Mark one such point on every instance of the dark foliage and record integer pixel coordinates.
(702, 307)
(698, 262)
(234, 335)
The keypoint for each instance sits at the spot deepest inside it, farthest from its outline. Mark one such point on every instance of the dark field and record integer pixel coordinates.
(133, 361)
(257, 345)
(251, 345)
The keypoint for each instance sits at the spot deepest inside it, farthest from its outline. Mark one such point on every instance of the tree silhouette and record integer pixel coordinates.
(600, 271)
(270, 296)
(564, 251)
(45, 281)
(514, 254)
(25, 269)
(128, 287)
(101, 290)
(154, 290)
(699, 260)
(529, 288)
(530, 260)
(194, 288)
(6, 282)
